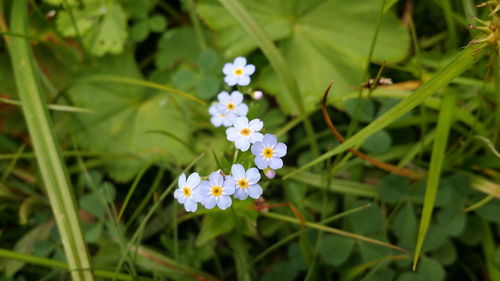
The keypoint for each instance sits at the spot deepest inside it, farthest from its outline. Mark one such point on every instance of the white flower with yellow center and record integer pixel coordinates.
(216, 191)
(268, 152)
(220, 117)
(238, 72)
(243, 133)
(232, 103)
(187, 193)
(245, 182)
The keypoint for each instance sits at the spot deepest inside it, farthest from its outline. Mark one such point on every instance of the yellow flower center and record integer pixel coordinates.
(238, 71)
(231, 106)
(242, 183)
(216, 190)
(187, 191)
(245, 132)
(268, 152)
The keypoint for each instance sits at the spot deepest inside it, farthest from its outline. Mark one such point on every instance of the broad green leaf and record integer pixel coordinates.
(92, 203)
(393, 188)
(367, 221)
(405, 223)
(124, 115)
(157, 23)
(377, 143)
(139, 31)
(446, 254)
(177, 44)
(321, 41)
(451, 219)
(370, 252)
(365, 109)
(335, 250)
(213, 225)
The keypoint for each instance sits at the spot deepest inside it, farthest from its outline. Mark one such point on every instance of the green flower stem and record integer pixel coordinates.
(238, 11)
(444, 123)
(52, 168)
(336, 231)
(462, 62)
(8, 254)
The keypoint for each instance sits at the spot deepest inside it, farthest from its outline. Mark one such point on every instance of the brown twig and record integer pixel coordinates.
(382, 165)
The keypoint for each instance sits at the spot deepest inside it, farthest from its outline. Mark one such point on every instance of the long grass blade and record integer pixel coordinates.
(238, 11)
(462, 62)
(52, 168)
(445, 121)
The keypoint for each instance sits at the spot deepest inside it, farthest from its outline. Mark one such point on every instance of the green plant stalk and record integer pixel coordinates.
(450, 25)
(462, 62)
(238, 11)
(489, 252)
(137, 179)
(332, 230)
(51, 166)
(445, 121)
(8, 254)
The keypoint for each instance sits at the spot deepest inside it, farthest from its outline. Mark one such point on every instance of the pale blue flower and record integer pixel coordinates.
(188, 193)
(268, 152)
(245, 182)
(238, 72)
(220, 117)
(232, 103)
(243, 133)
(216, 191)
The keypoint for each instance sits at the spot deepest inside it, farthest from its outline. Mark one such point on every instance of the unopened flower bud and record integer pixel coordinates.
(270, 173)
(257, 95)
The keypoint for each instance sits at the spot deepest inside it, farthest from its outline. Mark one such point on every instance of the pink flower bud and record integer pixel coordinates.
(257, 95)
(270, 173)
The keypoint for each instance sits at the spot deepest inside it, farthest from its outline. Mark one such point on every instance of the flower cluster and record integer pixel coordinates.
(230, 111)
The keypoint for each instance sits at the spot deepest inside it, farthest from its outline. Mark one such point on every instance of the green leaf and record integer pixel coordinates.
(446, 254)
(139, 31)
(157, 23)
(405, 223)
(124, 115)
(176, 44)
(367, 221)
(92, 204)
(377, 143)
(366, 109)
(214, 225)
(335, 250)
(320, 40)
(393, 188)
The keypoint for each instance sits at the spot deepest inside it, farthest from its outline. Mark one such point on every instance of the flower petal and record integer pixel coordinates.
(231, 79)
(193, 180)
(243, 80)
(228, 188)
(253, 175)
(255, 137)
(204, 188)
(280, 149)
(269, 140)
(228, 68)
(240, 123)
(240, 194)
(209, 202)
(249, 69)
(213, 109)
(231, 134)
(257, 148)
(229, 120)
(224, 202)
(179, 196)
(261, 162)
(240, 62)
(236, 97)
(255, 191)
(242, 143)
(256, 124)
(190, 205)
(241, 109)
(275, 163)
(182, 181)
(216, 179)
(238, 171)
(216, 121)
(223, 98)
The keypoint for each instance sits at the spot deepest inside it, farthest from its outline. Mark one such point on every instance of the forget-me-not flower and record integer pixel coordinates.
(245, 182)
(268, 152)
(216, 191)
(187, 193)
(220, 117)
(238, 72)
(232, 103)
(244, 133)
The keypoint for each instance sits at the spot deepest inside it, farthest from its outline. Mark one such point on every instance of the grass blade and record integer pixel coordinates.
(238, 11)
(445, 121)
(489, 252)
(52, 168)
(462, 62)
